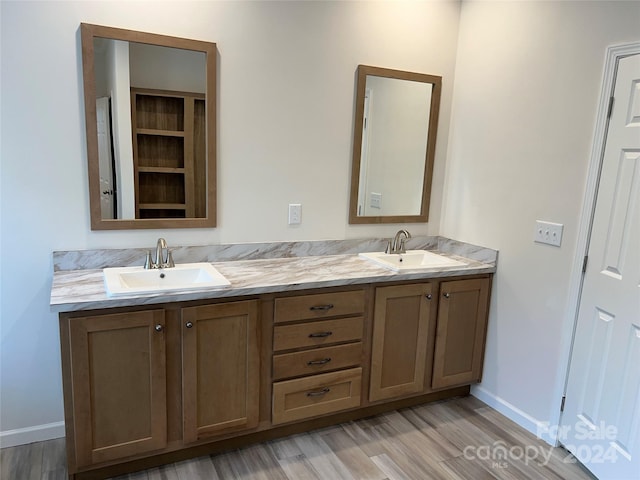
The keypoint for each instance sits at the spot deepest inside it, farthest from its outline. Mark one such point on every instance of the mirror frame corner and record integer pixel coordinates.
(87, 34)
(361, 79)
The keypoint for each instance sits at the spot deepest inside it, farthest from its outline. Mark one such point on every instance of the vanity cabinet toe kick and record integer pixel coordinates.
(144, 386)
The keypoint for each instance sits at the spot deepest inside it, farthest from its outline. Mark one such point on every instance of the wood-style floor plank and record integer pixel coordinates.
(454, 439)
(201, 467)
(460, 468)
(323, 459)
(299, 468)
(389, 467)
(22, 462)
(264, 464)
(360, 465)
(165, 472)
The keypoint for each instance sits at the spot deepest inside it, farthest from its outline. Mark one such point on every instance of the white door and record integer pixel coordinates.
(601, 419)
(105, 163)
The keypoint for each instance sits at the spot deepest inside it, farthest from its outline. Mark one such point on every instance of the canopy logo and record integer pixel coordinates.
(587, 442)
(500, 454)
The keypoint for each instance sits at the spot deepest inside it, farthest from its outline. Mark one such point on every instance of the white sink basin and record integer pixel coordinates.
(411, 260)
(186, 276)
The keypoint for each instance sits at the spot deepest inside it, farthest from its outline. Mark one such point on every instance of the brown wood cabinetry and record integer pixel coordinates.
(315, 395)
(321, 305)
(169, 153)
(116, 379)
(428, 336)
(402, 340)
(117, 390)
(221, 368)
(318, 333)
(311, 344)
(460, 337)
(143, 385)
(316, 360)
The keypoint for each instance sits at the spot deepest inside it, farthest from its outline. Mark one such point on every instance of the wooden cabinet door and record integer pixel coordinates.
(118, 376)
(221, 369)
(460, 334)
(401, 326)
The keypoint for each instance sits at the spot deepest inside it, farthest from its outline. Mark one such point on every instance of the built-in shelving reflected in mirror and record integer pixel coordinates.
(395, 131)
(150, 107)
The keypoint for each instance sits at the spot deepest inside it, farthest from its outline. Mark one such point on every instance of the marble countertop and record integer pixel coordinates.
(84, 289)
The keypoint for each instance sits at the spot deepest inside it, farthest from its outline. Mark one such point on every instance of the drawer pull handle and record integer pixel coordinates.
(324, 361)
(320, 393)
(320, 334)
(315, 308)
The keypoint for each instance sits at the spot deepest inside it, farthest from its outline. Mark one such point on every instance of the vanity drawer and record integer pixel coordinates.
(320, 333)
(318, 360)
(322, 305)
(316, 395)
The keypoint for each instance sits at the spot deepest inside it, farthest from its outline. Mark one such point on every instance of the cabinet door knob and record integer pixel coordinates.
(428, 296)
(446, 295)
(158, 328)
(188, 324)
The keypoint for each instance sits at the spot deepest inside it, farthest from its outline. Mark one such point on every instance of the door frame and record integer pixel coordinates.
(613, 55)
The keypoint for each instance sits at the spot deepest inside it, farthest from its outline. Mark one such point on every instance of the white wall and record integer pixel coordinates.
(286, 99)
(527, 87)
(188, 72)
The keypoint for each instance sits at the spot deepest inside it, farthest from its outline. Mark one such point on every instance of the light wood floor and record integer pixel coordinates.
(451, 439)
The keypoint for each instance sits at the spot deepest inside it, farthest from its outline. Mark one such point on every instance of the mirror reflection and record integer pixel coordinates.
(394, 143)
(150, 113)
(146, 116)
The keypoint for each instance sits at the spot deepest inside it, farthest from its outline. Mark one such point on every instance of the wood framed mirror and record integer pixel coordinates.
(395, 130)
(150, 113)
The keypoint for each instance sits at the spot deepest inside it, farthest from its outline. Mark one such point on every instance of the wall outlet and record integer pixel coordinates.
(549, 233)
(376, 200)
(295, 213)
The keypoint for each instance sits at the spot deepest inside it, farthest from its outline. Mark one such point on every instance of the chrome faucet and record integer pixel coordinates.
(161, 261)
(397, 244)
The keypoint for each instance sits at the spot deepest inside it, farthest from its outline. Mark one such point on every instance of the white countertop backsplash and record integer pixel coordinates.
(254, 268)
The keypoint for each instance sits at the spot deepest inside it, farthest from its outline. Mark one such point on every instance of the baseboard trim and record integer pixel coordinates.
(526, 421)
(49, 431)
(37, 433)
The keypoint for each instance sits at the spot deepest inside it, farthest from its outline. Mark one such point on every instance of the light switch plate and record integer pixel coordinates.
(295, 213)
(548, 232)
(376, 200)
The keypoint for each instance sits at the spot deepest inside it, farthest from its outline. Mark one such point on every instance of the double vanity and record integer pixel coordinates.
(298, 336)
(208, 348)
